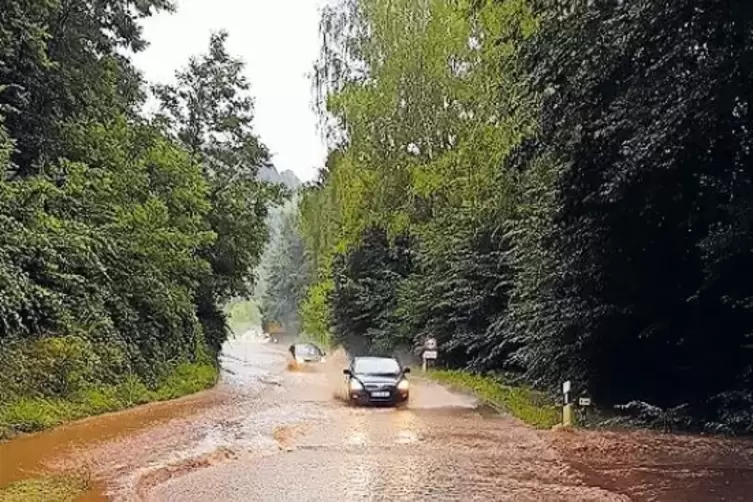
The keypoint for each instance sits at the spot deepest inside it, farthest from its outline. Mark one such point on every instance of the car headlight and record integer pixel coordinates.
(299, 360)
(355, 385)
(403, 385)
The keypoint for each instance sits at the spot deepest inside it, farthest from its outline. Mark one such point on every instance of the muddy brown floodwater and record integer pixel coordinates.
(274, 432)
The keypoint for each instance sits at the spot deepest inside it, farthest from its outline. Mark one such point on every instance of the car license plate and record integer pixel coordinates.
(381, 393)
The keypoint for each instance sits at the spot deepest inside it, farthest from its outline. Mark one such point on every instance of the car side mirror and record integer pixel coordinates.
(346, 372)
(406, 370)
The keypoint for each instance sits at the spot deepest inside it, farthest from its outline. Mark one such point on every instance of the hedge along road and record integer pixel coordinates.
(269, 432)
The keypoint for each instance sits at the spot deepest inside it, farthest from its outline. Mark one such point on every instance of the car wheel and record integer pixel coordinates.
(353, 403)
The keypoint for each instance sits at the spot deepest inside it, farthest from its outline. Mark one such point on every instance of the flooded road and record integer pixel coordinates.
(441, 447)
(274, 433)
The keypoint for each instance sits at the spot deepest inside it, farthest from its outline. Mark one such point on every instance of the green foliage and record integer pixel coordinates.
(414, 88)
(533, 408)
(108, 252)
(62, 488)
(423, 114)
(61, 62)
(132, 392)
(122, 237)
(29, 414)
(315, 311)
(569, 183)
(210, 113)
(186, 379)
(61, 366)
(457, 291)
(646, 143)
(364, 296)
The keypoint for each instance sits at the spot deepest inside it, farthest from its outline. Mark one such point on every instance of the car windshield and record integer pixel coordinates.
(306, 350)
(376, 366)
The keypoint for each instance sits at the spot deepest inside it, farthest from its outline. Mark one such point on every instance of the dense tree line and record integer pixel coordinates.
(122, 236)
(560, 189)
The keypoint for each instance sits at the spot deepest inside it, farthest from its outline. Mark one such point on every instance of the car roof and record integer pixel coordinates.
(372, 358)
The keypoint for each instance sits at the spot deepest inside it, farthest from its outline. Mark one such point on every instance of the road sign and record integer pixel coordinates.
(584, 401)
(430, 354)
(566, 387)
(430, 343)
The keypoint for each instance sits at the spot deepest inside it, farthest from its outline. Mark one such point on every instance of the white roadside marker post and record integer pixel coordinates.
(567, 409)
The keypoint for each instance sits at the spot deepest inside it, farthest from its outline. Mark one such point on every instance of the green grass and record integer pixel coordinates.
(186, 379)
(530, 406)
(34, 414)
(46, 489)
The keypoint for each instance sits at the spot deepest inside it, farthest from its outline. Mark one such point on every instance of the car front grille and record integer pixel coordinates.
(378, 386)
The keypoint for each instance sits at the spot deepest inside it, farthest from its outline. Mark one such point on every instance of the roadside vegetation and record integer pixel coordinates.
(534, 408)
(62, 488)
(123, 235)
(30, 414)
(556, 190)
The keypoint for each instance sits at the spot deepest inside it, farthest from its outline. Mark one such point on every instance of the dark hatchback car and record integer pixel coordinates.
(377, 380)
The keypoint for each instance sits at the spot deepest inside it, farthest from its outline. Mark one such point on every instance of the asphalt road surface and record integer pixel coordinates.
(271, 432)
(441, 447)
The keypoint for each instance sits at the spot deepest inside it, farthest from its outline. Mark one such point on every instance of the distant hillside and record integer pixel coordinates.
(287, 177)
(290, 179)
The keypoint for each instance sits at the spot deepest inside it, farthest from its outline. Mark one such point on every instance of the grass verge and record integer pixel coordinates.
(63, 488)
(35, 414)
(528, 405)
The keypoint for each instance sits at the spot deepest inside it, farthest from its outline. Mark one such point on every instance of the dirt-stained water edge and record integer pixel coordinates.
(47, 451)
(91, 447)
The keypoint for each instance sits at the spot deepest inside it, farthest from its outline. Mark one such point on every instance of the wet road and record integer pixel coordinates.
(271, 433)
(299, 442)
